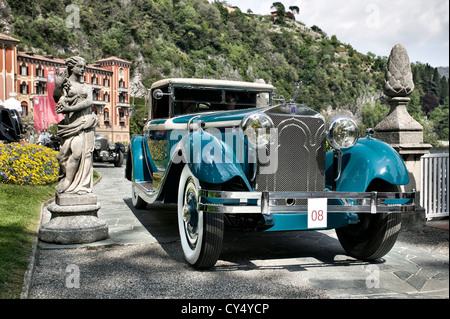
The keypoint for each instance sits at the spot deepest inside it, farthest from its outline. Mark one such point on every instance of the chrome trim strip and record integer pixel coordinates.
(305, 195)
(375, 202)
(334, 209)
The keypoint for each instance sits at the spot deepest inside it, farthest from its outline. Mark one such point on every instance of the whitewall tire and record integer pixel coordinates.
(201, 234)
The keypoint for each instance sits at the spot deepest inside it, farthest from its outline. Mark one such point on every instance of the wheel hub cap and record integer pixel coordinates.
(190, 214)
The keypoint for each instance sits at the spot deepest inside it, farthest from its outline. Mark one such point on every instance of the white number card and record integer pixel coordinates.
(317, 212)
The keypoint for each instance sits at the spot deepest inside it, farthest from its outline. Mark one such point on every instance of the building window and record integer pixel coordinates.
(24, 106)
(39, 89)
(121, 83)
(105, 81)
(122, 117)
(106, 116)
(39, 71)
(24, 88)
(94, 79)
(106, 97)
(23, 70)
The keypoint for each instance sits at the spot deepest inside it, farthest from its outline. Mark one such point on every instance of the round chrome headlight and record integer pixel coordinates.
(97, 145)
(258, 128)
(112, 145)
(342, 133)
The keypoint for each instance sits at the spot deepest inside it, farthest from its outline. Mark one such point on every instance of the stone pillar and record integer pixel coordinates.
(399, 129)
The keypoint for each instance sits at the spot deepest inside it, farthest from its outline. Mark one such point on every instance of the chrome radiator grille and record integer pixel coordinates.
(300, 152)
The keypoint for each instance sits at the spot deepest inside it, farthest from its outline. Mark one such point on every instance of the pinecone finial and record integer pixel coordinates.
(398, 81)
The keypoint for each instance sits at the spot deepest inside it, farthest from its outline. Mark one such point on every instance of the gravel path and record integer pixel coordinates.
(429, 238)
(155, 271)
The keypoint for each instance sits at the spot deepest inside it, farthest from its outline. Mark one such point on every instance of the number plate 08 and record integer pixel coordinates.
(317, 212)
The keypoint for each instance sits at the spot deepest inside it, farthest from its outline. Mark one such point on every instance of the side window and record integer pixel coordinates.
(160, 108)
(195, 100)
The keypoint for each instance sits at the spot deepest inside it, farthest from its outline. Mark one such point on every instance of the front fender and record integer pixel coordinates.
(120, 147)
(209, 159)
(369, 159)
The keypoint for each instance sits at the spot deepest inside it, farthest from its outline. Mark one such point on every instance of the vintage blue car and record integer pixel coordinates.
(231, 158)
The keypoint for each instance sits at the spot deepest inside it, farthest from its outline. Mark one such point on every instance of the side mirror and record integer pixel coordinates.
(159, 94)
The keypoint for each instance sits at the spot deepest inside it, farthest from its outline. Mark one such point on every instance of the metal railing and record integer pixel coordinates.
(434, 184)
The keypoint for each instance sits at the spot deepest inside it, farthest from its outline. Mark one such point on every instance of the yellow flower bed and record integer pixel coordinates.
(28, 164)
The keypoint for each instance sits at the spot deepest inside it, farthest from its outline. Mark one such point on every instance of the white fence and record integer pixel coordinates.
(434, 184)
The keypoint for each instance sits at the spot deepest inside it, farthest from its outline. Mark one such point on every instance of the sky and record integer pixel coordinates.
(377, 25)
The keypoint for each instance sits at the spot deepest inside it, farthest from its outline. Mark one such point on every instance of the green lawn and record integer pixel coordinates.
(19, 219)
(20, 208)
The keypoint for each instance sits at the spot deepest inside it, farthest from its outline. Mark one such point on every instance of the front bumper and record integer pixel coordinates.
(105, 156)
(338, 202)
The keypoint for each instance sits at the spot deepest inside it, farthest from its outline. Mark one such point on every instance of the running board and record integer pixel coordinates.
(146, 187)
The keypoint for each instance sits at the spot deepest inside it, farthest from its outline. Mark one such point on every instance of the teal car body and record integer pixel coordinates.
(214, 146)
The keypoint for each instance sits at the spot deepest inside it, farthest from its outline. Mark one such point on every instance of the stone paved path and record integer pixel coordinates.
(143, 259)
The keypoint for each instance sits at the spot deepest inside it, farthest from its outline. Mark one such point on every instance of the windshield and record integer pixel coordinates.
(180, 100)
(195, 100)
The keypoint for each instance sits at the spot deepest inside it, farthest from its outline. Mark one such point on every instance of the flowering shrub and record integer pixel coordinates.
(27, 164)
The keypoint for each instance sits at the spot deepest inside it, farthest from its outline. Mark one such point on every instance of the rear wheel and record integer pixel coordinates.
(137, 201)
(375, 234)
(201, 234)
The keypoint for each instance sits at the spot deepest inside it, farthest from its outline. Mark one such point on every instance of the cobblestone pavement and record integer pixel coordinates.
(143, 259)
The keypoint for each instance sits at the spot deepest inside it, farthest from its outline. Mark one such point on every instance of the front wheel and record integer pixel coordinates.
(375, 234)
(119, 159)
(201, 234)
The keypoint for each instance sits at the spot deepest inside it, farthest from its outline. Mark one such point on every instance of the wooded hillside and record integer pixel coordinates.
(193, 38)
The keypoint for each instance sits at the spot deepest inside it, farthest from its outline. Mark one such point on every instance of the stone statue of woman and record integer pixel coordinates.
(74, 99)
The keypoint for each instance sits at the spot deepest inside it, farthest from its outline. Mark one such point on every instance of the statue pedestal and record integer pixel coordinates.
(74, 220)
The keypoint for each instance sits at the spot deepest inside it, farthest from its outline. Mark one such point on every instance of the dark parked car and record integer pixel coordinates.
(110, 152)
(11, 128)
(232, 159)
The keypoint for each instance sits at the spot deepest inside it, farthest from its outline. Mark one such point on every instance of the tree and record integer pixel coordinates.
(429, 103)
(279, 7)
(443, 89)
(439, 118)
(413, 106)
(334, 41)
(281, 12)
(294, 9)
(372, 115)
(435, 83)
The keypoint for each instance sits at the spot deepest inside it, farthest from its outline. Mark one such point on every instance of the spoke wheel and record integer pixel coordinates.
(201, 234)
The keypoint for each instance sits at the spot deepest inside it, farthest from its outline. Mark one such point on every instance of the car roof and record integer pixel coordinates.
(213, 84)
